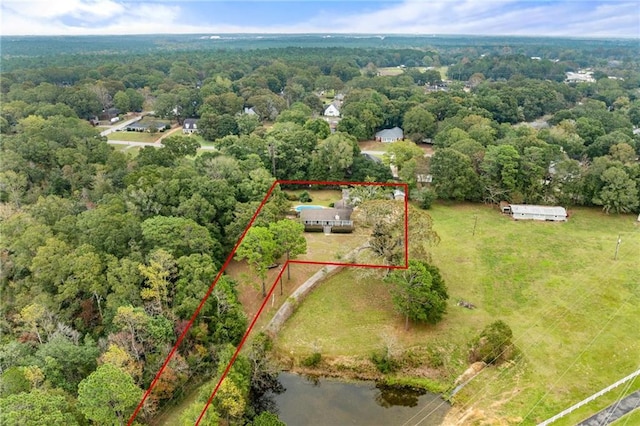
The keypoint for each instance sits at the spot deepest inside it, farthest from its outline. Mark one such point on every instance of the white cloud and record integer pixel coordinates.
(507, 17)
(498, 17)
(37, 17)
(82, 9)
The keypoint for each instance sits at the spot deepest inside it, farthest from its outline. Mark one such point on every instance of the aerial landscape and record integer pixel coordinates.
(392, 213)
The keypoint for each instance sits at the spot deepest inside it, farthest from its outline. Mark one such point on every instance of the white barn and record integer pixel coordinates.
(531, 212)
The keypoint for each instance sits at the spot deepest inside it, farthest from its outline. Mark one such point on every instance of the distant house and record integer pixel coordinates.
(136, 127)
(189, 126)
(249, 111)
(399, 195)
(424, 178)
(108, 114)
(390, 135)
(532, 212)
(146, 126)
(582, 76)
(331, 111)
(327, 220)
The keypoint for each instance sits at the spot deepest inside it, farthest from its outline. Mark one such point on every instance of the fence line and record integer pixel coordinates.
(589, 399)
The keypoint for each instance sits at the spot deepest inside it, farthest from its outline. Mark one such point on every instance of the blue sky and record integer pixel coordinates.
(601, 18)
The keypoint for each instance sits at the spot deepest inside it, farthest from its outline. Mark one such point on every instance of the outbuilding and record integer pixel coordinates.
(532, 212)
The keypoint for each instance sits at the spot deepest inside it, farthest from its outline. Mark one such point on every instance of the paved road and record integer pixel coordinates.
(614, 411)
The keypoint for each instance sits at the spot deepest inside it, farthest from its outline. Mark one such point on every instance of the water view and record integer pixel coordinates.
(324, 401)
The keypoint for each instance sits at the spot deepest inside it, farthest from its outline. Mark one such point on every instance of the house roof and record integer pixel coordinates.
(137, 125)
(190, 123)
(539, 210)
(395, 133)
(148, 125)
(325, 214)
(332, 106)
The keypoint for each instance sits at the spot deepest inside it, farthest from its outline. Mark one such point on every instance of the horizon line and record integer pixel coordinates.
(328, 33)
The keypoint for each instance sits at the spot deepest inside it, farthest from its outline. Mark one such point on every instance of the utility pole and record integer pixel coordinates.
(615, 256)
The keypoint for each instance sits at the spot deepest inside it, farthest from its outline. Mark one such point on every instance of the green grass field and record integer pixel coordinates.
(574, 311)
(134, 136)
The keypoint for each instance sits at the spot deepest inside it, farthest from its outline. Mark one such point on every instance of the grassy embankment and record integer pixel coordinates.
(572, 308)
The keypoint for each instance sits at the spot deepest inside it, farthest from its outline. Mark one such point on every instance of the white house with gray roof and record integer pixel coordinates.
(390, 135)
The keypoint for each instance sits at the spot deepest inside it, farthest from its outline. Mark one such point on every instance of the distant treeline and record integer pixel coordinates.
(19, 51)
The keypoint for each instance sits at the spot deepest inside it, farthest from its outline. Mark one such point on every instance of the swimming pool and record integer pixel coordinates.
(307, 207)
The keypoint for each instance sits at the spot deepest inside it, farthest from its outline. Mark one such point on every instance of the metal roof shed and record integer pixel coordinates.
(531, 212)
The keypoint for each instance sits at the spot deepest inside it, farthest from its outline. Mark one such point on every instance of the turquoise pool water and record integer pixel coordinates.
(307, 207)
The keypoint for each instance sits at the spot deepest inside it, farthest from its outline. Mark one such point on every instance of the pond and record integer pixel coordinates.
(323, 401)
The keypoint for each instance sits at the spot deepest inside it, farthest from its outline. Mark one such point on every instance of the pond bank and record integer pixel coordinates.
(323, 401)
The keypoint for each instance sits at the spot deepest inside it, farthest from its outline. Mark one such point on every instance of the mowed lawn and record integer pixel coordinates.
(134, 136)
(574, 310)
(320, 197)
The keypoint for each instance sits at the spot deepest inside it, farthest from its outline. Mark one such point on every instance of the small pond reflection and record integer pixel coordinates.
(314, 401)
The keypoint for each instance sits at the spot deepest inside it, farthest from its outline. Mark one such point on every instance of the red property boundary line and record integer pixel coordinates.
(273, 286)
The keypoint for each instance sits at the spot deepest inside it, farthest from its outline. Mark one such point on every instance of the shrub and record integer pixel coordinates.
(291, 197)
(425, 198)
(305, 198)
(313, 360)
(493, 345)
(384, 362)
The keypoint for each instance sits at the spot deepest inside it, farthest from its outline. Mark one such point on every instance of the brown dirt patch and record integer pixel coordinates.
(372, 145)
(250, 287)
